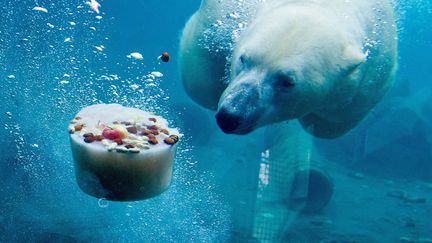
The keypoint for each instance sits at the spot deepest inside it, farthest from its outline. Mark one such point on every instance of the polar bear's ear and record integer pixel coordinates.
(354, 57)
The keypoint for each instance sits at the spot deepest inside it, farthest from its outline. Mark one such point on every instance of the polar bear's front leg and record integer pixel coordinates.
(322, 128)
(202, 69)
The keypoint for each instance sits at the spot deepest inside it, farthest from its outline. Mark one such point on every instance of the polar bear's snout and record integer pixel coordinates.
(227, 121)
(235, 122)
(239, 108)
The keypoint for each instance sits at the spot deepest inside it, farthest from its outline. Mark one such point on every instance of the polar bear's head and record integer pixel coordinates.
(285, 65)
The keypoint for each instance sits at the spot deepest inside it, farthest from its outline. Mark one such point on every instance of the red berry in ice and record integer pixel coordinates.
(111, 134)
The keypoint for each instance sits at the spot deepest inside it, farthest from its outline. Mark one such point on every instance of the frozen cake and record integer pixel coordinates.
(122, 153)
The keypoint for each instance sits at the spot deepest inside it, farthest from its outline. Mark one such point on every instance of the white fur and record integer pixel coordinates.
(340, 55)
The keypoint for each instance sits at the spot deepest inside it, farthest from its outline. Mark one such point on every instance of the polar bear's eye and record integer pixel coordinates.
(284, 81)
(242, 59)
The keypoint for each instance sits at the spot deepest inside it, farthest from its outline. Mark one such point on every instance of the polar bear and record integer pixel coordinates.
(258, 62)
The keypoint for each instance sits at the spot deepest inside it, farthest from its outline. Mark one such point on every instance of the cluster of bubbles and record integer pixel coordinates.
(403, 7)
(53, 63)
(230, 20)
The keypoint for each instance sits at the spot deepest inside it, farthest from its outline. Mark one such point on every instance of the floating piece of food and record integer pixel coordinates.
(165, 57)
(135, 55)
(157, 74)
(40, 9)
(121, 153)
(94, 5)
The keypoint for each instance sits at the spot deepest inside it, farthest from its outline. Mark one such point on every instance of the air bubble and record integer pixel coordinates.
(103, 203)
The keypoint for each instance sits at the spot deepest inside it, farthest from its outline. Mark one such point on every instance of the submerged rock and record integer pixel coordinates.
(410, 222)
(415, 199)
(397, 194)
(356, 175)
(406, 239)
(402, 195)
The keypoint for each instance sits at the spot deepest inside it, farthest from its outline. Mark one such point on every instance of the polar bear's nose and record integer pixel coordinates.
(227, 121)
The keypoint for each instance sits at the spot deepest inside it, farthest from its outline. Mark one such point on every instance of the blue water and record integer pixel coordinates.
(215, 183)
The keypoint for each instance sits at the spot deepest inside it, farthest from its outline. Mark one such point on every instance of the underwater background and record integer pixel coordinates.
(53, 64)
